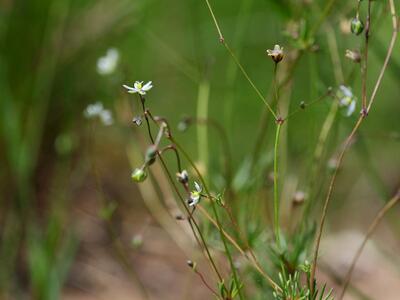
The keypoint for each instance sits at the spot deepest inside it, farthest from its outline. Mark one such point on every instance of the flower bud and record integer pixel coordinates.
(356, 26)
(183, 177)
(151, 154)
(137, 120)
(302, 105)
(276, 54)
(138, 175)
(191, 265)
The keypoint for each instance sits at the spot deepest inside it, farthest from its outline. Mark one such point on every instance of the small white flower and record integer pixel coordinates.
(138, 87)
(195, 195)
(97, 110)
(108, 63)
(346, 99)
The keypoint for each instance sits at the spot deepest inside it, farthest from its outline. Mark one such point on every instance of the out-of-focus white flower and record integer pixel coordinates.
(346, 99)
(108, 63)
(138, 87)
(93, 110)
(195, 195)
(106, 117)
(97, 110)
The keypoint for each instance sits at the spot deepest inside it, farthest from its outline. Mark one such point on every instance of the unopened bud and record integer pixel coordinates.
(138, 175)
(183, 177)
(276, 54)
(191, 265)
(302, 105)
(356, 26)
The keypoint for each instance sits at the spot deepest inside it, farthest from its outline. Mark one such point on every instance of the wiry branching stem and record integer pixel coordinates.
(192, 222)
(348, 140)
(213, 206)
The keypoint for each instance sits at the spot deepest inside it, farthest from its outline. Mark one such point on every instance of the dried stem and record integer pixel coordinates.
(389, 53)
(365, 62)
(328, 197)
(348, 140)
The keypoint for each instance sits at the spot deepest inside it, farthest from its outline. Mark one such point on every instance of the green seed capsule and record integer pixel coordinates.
(357, 26)
(138, 175)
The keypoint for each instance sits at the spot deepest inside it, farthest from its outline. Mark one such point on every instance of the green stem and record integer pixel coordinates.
(192, 221)
(276, 193)
(227, 251)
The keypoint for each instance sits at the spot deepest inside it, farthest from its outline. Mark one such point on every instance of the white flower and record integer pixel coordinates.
(97, 110)
(138, 87)
(107, 63)
(346, 99)
(195, 195)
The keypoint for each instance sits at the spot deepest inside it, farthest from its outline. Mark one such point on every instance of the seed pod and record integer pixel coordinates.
(138, 175)
(356, 26)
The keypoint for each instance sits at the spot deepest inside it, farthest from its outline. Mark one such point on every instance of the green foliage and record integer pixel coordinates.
(48, 55)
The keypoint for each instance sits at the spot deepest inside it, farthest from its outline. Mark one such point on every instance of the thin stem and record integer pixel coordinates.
(253, 259)
(221, 37)
(347, 143)
(388, 55)
(191, 220)
(264, 119)
(328, 197)
(222, 40)
(178, 159)
(322, 97)
(206, 284)
(227, 251)
(276, 194)
(249, 80)
(276, 89)
(375, 222)
(365, 63)
(227, 154)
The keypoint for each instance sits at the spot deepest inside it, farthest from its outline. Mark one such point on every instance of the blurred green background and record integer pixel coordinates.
(51, 216)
